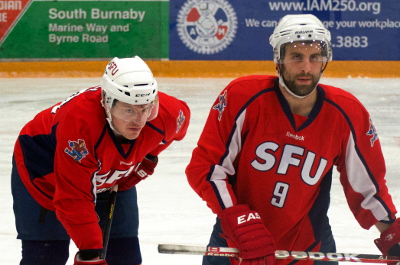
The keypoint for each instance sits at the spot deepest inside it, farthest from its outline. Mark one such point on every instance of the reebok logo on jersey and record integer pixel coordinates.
(295, 136)
(245, 218)
(78, 150)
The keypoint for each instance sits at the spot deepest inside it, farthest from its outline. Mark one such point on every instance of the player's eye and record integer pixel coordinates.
(297, 58)
(315, 58)
(130, 111)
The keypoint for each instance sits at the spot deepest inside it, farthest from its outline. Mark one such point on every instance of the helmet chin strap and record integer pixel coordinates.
(282, 83)
(109, 119)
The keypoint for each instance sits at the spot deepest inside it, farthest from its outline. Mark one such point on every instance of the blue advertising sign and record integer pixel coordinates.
(367, 30)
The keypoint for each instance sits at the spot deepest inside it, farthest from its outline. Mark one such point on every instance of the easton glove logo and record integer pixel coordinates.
(390, 237)
(246, 218)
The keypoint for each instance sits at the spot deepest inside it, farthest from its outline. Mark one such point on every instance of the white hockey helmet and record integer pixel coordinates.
(131, 81)
(302, 27)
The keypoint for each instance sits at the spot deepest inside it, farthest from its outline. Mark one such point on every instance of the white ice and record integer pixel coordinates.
(170, 211)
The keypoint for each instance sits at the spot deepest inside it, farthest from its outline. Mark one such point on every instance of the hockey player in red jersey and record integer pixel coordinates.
(264, 160)
(69, 156)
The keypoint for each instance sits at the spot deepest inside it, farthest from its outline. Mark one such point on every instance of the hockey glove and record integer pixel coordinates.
(145, 169)
(81, 258)
(389, 239)
(245, 229)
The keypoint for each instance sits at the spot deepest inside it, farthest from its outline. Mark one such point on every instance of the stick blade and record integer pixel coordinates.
(181, 249)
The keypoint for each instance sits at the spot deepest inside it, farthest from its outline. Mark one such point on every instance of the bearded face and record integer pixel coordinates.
(302, 67)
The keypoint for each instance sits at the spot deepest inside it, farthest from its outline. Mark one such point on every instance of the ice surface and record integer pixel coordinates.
(170, 211)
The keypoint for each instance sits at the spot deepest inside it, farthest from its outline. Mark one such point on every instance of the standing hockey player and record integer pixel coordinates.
(264, 160)
(69, 156)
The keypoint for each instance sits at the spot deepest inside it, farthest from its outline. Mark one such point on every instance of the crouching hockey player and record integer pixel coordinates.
(70, 154)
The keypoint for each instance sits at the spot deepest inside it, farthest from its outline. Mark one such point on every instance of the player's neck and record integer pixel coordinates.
(120, 138)
(300, 106)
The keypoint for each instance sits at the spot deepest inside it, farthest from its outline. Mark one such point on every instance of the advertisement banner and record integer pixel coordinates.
(240, 30)
(83, 29)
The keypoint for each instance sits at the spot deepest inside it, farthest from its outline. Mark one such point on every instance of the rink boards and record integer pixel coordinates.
(203, 69)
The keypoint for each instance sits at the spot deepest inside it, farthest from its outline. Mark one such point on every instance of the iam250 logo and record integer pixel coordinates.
(207, 26)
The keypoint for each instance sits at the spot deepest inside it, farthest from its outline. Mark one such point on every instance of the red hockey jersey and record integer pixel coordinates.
(68, 153)
(254, 150)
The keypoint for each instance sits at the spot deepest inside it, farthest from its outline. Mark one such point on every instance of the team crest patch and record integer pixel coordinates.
(179, 121)
(220, 106)
(77, 150)
(372, 132)
(207, 26)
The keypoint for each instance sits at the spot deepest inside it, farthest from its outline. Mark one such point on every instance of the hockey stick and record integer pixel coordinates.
(279, 254)
(110, 214)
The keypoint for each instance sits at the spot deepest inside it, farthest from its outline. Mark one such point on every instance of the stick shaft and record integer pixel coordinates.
(110, 214)
(279, 254)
